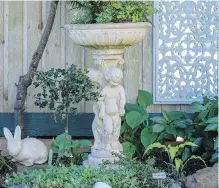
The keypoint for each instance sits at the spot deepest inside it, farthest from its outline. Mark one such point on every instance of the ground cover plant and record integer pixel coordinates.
(128, 173)
(111, 11)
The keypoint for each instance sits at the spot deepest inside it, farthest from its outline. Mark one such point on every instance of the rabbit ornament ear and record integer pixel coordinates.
(17, 133)
(7, 134)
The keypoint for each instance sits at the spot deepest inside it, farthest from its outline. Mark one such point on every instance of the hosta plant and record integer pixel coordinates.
(135, 131)
(171, 125)
(177, 157)
(205, 135)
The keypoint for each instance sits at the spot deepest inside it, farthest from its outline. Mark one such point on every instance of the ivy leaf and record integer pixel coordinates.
(145, 98)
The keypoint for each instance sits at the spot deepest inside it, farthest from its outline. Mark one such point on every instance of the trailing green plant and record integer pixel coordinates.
(112, 11)
(128, 174)
(177, 157)
(61, 89)
(205, 135)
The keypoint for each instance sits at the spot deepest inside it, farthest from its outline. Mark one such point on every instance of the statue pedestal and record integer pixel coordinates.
(107, 42)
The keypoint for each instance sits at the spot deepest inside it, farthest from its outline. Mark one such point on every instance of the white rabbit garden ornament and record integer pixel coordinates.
(27, 151)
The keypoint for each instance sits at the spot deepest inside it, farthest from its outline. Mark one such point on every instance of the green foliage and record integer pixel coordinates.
(128, 174)
(205, 121)
(64, 146)
(61, 89)
(6, 165)
(128, 149)
(134, 129)
(176, 154)
(171, 125)
(112, 11)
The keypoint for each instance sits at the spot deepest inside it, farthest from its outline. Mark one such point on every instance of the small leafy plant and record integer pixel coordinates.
(61, 89)
(69, 148)
(112, 11)
(178, 159)
(205, 135)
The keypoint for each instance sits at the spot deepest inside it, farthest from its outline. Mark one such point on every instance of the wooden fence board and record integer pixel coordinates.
(1, 56)
(15, 49)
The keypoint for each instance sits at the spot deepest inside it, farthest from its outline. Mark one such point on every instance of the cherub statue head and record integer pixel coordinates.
(95, 76)
(113, 76)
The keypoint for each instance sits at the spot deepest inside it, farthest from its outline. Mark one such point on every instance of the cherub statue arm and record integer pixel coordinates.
(101, 104)
(122, 101)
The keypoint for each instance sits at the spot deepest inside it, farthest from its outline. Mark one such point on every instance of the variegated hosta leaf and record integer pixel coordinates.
(178, 163)
(156, 145)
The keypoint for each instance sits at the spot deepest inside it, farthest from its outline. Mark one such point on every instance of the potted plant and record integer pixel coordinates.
(107, 27)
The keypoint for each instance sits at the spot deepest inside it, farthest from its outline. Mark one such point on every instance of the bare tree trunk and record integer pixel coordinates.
(26, 80)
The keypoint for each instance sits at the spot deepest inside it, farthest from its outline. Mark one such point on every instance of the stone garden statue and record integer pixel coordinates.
(112, 102)
(107, 122)
(27, 151)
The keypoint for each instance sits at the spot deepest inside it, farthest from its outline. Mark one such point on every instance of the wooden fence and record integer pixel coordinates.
(21, 26)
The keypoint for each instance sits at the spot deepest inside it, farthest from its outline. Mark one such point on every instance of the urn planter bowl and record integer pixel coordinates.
(107, 43)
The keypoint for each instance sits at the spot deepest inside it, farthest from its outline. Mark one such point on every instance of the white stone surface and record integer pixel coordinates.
(107, 36)
(101, 185)
(107, 42)
(27, 151)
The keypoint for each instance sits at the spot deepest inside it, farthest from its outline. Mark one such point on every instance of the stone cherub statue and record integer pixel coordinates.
(112, 102)
(108, 110)
(27, 151)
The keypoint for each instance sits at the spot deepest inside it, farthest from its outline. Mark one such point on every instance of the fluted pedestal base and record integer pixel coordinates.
(97, 157)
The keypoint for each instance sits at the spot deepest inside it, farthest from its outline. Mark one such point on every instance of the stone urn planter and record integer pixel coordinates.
(107, 43)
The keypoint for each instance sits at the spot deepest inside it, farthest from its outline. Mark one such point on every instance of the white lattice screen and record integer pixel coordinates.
(185, 37)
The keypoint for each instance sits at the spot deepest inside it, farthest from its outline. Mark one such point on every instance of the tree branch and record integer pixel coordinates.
(26, 80)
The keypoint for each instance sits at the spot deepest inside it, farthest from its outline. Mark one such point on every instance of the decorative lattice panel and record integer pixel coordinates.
(185, 51)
